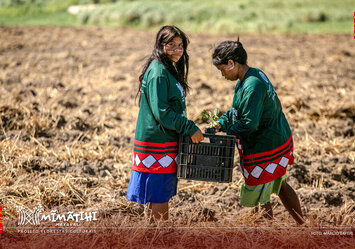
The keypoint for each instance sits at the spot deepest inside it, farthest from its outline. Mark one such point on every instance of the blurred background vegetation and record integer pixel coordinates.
(214, 16)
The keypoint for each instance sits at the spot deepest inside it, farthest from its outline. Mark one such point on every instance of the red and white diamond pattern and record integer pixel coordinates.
(137, 160)
(257, 170)
(150, 160)
(246, 173)
(284, 161)
(271, 168)
(165, 161)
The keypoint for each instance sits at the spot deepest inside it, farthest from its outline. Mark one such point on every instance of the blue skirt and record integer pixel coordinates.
(146, 188)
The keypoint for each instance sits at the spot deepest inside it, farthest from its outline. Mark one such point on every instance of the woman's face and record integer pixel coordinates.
(174, 49)
(228, 70)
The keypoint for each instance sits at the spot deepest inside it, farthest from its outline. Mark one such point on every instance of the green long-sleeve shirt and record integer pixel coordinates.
(162, 117)
(263, 135)
(256, 117)
(162, 113)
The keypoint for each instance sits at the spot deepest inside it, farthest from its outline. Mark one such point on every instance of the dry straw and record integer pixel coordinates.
(67, 123)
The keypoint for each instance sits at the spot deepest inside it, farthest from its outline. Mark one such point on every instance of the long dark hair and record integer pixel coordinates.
(181, 68)
(229, 50)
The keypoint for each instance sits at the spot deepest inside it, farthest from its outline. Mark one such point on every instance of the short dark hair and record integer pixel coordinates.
(229, 50)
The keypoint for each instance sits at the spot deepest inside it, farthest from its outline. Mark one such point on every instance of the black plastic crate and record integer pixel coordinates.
(206, 161)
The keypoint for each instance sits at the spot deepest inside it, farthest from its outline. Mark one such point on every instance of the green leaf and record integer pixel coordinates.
(211, 118)
(205, 115)
(216, 111)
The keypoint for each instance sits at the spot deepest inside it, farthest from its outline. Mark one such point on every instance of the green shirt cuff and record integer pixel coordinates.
(223, 124)
(192, 131)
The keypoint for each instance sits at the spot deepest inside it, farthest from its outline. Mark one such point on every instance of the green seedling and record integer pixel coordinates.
(211, 118)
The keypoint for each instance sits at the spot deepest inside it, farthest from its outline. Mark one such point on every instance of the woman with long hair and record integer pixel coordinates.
(162, 117)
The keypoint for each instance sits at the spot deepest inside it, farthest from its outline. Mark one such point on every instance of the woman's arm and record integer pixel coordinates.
(252, 106)
(162, 111)
(225, 120)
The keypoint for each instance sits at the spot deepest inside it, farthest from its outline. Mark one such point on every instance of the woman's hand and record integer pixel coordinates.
(218, 127)
(197, 137)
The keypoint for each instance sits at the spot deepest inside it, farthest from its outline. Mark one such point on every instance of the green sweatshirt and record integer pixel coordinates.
(161, 118)
(256, 119)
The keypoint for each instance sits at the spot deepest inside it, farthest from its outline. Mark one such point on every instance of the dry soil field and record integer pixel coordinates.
(68, 116)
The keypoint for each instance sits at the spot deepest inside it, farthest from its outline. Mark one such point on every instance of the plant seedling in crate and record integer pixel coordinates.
(211, 118)
(212, 121)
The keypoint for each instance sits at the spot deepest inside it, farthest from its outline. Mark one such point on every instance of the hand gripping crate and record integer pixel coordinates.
(206, 161)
